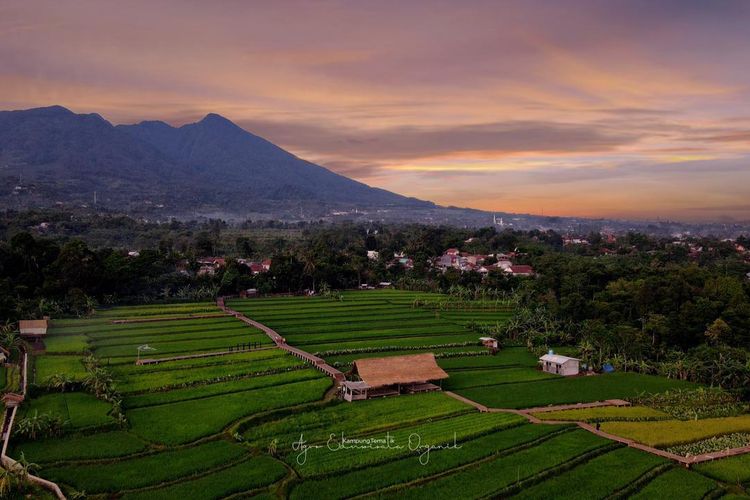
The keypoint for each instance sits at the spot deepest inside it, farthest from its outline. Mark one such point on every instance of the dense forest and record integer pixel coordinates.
(677, 307)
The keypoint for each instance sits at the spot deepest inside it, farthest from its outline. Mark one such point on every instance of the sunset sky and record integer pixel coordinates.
(637, 109)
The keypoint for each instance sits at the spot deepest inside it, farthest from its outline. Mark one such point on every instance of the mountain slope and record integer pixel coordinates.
(216, 148)
(51, 154)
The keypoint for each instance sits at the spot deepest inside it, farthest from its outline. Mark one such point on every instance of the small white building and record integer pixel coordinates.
(559, 365)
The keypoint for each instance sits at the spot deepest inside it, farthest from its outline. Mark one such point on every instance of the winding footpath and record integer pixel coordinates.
(528, 414)
(315, 361)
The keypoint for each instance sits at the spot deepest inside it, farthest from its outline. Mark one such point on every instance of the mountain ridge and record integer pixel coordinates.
(213, 164)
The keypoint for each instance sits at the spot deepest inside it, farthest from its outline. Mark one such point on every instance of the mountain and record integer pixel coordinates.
(52, 155)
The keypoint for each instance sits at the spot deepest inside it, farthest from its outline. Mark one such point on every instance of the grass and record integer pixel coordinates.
(49, 365)
(186, 421)
(250, 474)
(597, 478)
(674, 432)
(78, 408)
(603, 414)
(565, 390)
(677, 484)
(81, 447)
(146, 470)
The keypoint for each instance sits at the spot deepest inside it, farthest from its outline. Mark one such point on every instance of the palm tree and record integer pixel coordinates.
(25, 468)
(33, 426)
(12, 341)
(308, 260)
(8, 481)
(59, 381)
(98, 381)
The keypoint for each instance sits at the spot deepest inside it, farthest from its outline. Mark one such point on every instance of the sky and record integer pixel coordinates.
(602, 108)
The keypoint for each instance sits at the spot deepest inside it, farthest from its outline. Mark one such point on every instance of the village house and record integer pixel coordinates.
(393, 375)
(559, 365)
(504, 265)
(521, 270)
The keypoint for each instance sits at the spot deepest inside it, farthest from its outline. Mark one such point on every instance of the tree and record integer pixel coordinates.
(59, 381)
(12, 341)
(717, 332)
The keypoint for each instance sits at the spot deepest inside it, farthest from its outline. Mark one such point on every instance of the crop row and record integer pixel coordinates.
(407, 470)
(597, 478)
(107, 328)
(172, 377)
(81, 447)
(570, 390)
(183, 364)
(156, 336)
(186, 421)
(247, 475)
(364, 417)
(479, 378)
(206, 389)
(667, 433)
(604, 413)
(141, 471)
(187, 346)
(412, 440)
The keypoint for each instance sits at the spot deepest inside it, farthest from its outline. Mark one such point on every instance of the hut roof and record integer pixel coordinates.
(413, 368)
(32, 326)
(557, 358)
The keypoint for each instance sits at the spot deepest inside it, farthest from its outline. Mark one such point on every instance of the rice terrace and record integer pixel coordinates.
(243, 398)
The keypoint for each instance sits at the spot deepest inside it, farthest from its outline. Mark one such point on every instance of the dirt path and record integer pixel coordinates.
(280, 342)
(527, 413)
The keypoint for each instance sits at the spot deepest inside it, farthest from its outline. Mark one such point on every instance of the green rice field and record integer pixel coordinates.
(260, 423)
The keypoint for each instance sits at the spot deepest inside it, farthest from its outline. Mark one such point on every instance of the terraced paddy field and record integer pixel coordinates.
(262, 424)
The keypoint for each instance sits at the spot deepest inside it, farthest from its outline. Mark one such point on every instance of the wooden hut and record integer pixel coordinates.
(33, 327)
(389, 376)
(34, 331)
